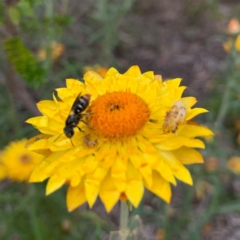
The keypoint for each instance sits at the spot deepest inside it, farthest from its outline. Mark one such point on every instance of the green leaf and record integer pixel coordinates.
(32, 2)
(24, 62)
(14, 15)
(25, 9)
(1, 12)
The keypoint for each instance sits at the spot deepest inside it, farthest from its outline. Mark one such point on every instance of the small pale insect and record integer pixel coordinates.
(174, 117)
(88, 142)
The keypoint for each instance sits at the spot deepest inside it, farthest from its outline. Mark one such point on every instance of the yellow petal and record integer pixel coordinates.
(111, 72)
(91, 190)
(134, 189)
(94, 83)
(145, 145)
(188, 101)
(146, 172)
(74, 84)
(109, 159)
(103, 151)
(46, 125)
(133, 71)
(64, 93)
(188, 155)
(137, 160)
(39, 145)
(118, 173)
(90, 164)
(36, 138)
(92, 88)
(119, 166)
(161, 187)
(184, 175)
(54, 183)
(75, 180)
(149, 74)
(38, 174)
(68, 170)
(150, 159)
(165, 171)
(133, 173)
(97, 176)
(108, 193)
(192, 130)
(179, 171)
(47, 107)
(59, 143)
(175, 142)
(36, 148)
(120, 181)
(179, 91)
(75, 197)
(172, 84)
(194, 112)
(134, 192)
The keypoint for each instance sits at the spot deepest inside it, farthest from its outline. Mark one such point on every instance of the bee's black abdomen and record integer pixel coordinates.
(81, 104)
(72, 120)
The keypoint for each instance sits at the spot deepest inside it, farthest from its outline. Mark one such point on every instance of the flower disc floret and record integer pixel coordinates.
(118, 114)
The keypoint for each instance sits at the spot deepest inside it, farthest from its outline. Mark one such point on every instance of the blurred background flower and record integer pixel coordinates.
(55, 51)
(96, 68)
(233, 26)
(234, 164)
(17, 163)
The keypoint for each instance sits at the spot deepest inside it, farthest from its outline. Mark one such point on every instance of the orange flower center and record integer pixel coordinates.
(25, 158)
(118, 114)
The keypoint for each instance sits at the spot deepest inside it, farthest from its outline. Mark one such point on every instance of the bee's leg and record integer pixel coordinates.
(80, 129)
(86, 123)
(87, 114)
(71, 142)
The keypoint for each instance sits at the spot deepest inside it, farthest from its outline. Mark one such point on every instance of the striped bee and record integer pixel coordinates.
(76, 115)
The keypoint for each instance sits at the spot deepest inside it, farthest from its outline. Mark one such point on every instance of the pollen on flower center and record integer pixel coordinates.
(118, 114)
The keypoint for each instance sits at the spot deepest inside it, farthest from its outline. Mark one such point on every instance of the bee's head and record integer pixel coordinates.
(68, 131)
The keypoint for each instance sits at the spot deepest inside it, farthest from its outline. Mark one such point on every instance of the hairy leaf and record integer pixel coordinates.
(24, 62)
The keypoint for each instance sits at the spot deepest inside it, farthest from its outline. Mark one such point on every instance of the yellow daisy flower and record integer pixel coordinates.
(137, 134)
(234, 164)
(2, 172)
(56, 50)
(228, 45)
(233, 26)
(2, 169)
(17, 163)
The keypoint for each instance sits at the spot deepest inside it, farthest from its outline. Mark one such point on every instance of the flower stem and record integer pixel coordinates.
(229, 86)
(224, 104)
(33, 215)
(124, 215)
